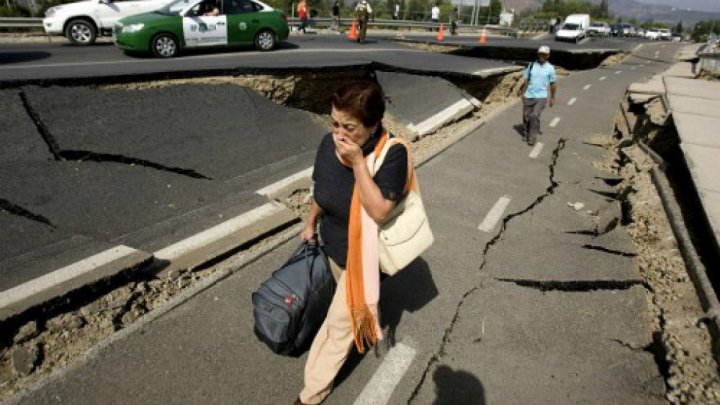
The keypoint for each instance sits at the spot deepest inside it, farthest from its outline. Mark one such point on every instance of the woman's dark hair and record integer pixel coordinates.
(363, 99)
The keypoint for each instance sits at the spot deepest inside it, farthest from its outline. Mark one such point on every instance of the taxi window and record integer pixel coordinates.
(239, 6)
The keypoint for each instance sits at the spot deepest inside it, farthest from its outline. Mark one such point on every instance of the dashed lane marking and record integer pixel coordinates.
(78, 269)
(218, 232)
(535, 152)
(496, 212)
(279, 185)
(554, 122)
(617, 72)
(587, 86)
(572, 101)
(602, 78)
(382, 384)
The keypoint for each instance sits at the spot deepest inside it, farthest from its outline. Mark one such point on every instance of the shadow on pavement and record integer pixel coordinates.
(457, 387)
(19, 57)
(520, 129)
(409, 290)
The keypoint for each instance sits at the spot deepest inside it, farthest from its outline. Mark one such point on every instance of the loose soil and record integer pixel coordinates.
(685, 355)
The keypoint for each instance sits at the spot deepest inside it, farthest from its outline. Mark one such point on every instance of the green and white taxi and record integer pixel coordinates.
(179, 25)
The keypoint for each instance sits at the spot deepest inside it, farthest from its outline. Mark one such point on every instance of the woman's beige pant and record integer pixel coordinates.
(330, 347)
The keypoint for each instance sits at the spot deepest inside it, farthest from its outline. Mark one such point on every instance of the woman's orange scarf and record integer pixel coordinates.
(362, 275)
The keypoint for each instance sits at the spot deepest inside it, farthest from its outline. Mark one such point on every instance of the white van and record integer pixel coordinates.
(574, 28)
(83, 21)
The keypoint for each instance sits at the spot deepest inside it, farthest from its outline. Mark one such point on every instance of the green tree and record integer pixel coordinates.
(679, 29)
(703, 29)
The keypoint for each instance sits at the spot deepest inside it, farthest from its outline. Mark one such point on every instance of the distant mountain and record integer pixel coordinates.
(641, 9)
(712, 6)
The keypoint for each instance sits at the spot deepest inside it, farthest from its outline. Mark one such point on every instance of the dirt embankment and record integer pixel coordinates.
(682, 344)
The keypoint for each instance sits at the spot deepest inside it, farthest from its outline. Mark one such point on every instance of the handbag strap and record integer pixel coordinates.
(379, 157)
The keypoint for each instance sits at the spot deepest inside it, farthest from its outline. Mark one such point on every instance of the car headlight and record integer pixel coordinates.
(132, 28)
(51, 11)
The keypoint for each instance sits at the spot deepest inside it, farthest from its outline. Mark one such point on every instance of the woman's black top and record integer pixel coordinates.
(334, 183)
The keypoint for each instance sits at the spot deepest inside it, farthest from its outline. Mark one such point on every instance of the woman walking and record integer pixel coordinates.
(302, 10)
(346, 195)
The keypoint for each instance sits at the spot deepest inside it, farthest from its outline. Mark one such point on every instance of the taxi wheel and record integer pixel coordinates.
(265, 40)
(80, 32)
(164, 45)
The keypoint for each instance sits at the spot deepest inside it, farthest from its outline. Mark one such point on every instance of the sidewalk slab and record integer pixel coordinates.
(702, 162)
(654, 86)
(692, 88)
(680, 69)
(694, 105)
(697, 129)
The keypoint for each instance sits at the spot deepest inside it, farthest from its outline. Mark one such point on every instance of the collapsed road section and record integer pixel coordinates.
(109, 185)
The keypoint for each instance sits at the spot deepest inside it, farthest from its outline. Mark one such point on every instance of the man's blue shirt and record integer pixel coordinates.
(542, 76)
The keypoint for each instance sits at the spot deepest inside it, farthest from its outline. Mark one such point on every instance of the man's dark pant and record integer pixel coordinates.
(532, 108)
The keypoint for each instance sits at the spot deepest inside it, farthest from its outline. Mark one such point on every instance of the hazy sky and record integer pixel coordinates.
(704, 5)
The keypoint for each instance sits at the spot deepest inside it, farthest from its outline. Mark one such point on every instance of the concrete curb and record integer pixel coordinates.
(95, 350)
(98, 267)
(696, 269)
(188, 253)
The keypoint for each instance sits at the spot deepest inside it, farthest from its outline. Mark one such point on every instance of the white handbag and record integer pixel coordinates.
(406, 233)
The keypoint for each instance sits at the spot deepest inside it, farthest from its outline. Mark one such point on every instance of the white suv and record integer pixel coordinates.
(652, 33)
(83, 21)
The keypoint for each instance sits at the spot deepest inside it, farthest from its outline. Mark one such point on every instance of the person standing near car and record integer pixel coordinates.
(302, 10)
(344, 191)
(335, 16)
(362, 13)
(539, 81)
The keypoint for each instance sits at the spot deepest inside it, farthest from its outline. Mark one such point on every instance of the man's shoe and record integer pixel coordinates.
(531, 141)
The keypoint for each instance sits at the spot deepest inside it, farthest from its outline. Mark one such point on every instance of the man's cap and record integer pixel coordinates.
(544, 50)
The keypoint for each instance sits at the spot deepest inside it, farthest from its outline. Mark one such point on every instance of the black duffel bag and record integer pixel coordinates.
(290, 306)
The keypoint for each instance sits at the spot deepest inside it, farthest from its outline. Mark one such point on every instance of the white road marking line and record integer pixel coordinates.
(602, 78)
(587, 86)
(434, 122)
(554, 122)
(75, 270)
(211, 56)
(218, 232)
(382, 384)
(279, 185)
(572, 101)
(617, 72)
(496, 212)
(535, 152)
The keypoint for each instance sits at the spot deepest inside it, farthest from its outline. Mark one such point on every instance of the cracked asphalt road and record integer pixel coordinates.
(107, 167)
(521, 314)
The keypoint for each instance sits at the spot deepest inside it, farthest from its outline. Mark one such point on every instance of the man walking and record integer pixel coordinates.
(335, 16)
(362, 13)
(539, 77)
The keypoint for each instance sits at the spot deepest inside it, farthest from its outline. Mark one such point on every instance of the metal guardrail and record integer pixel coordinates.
(20, 22)
(25, 22)
(406, 24)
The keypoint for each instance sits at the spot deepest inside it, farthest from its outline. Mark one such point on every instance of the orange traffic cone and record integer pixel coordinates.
(353, 32)
(483, 37)
(441, 33)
